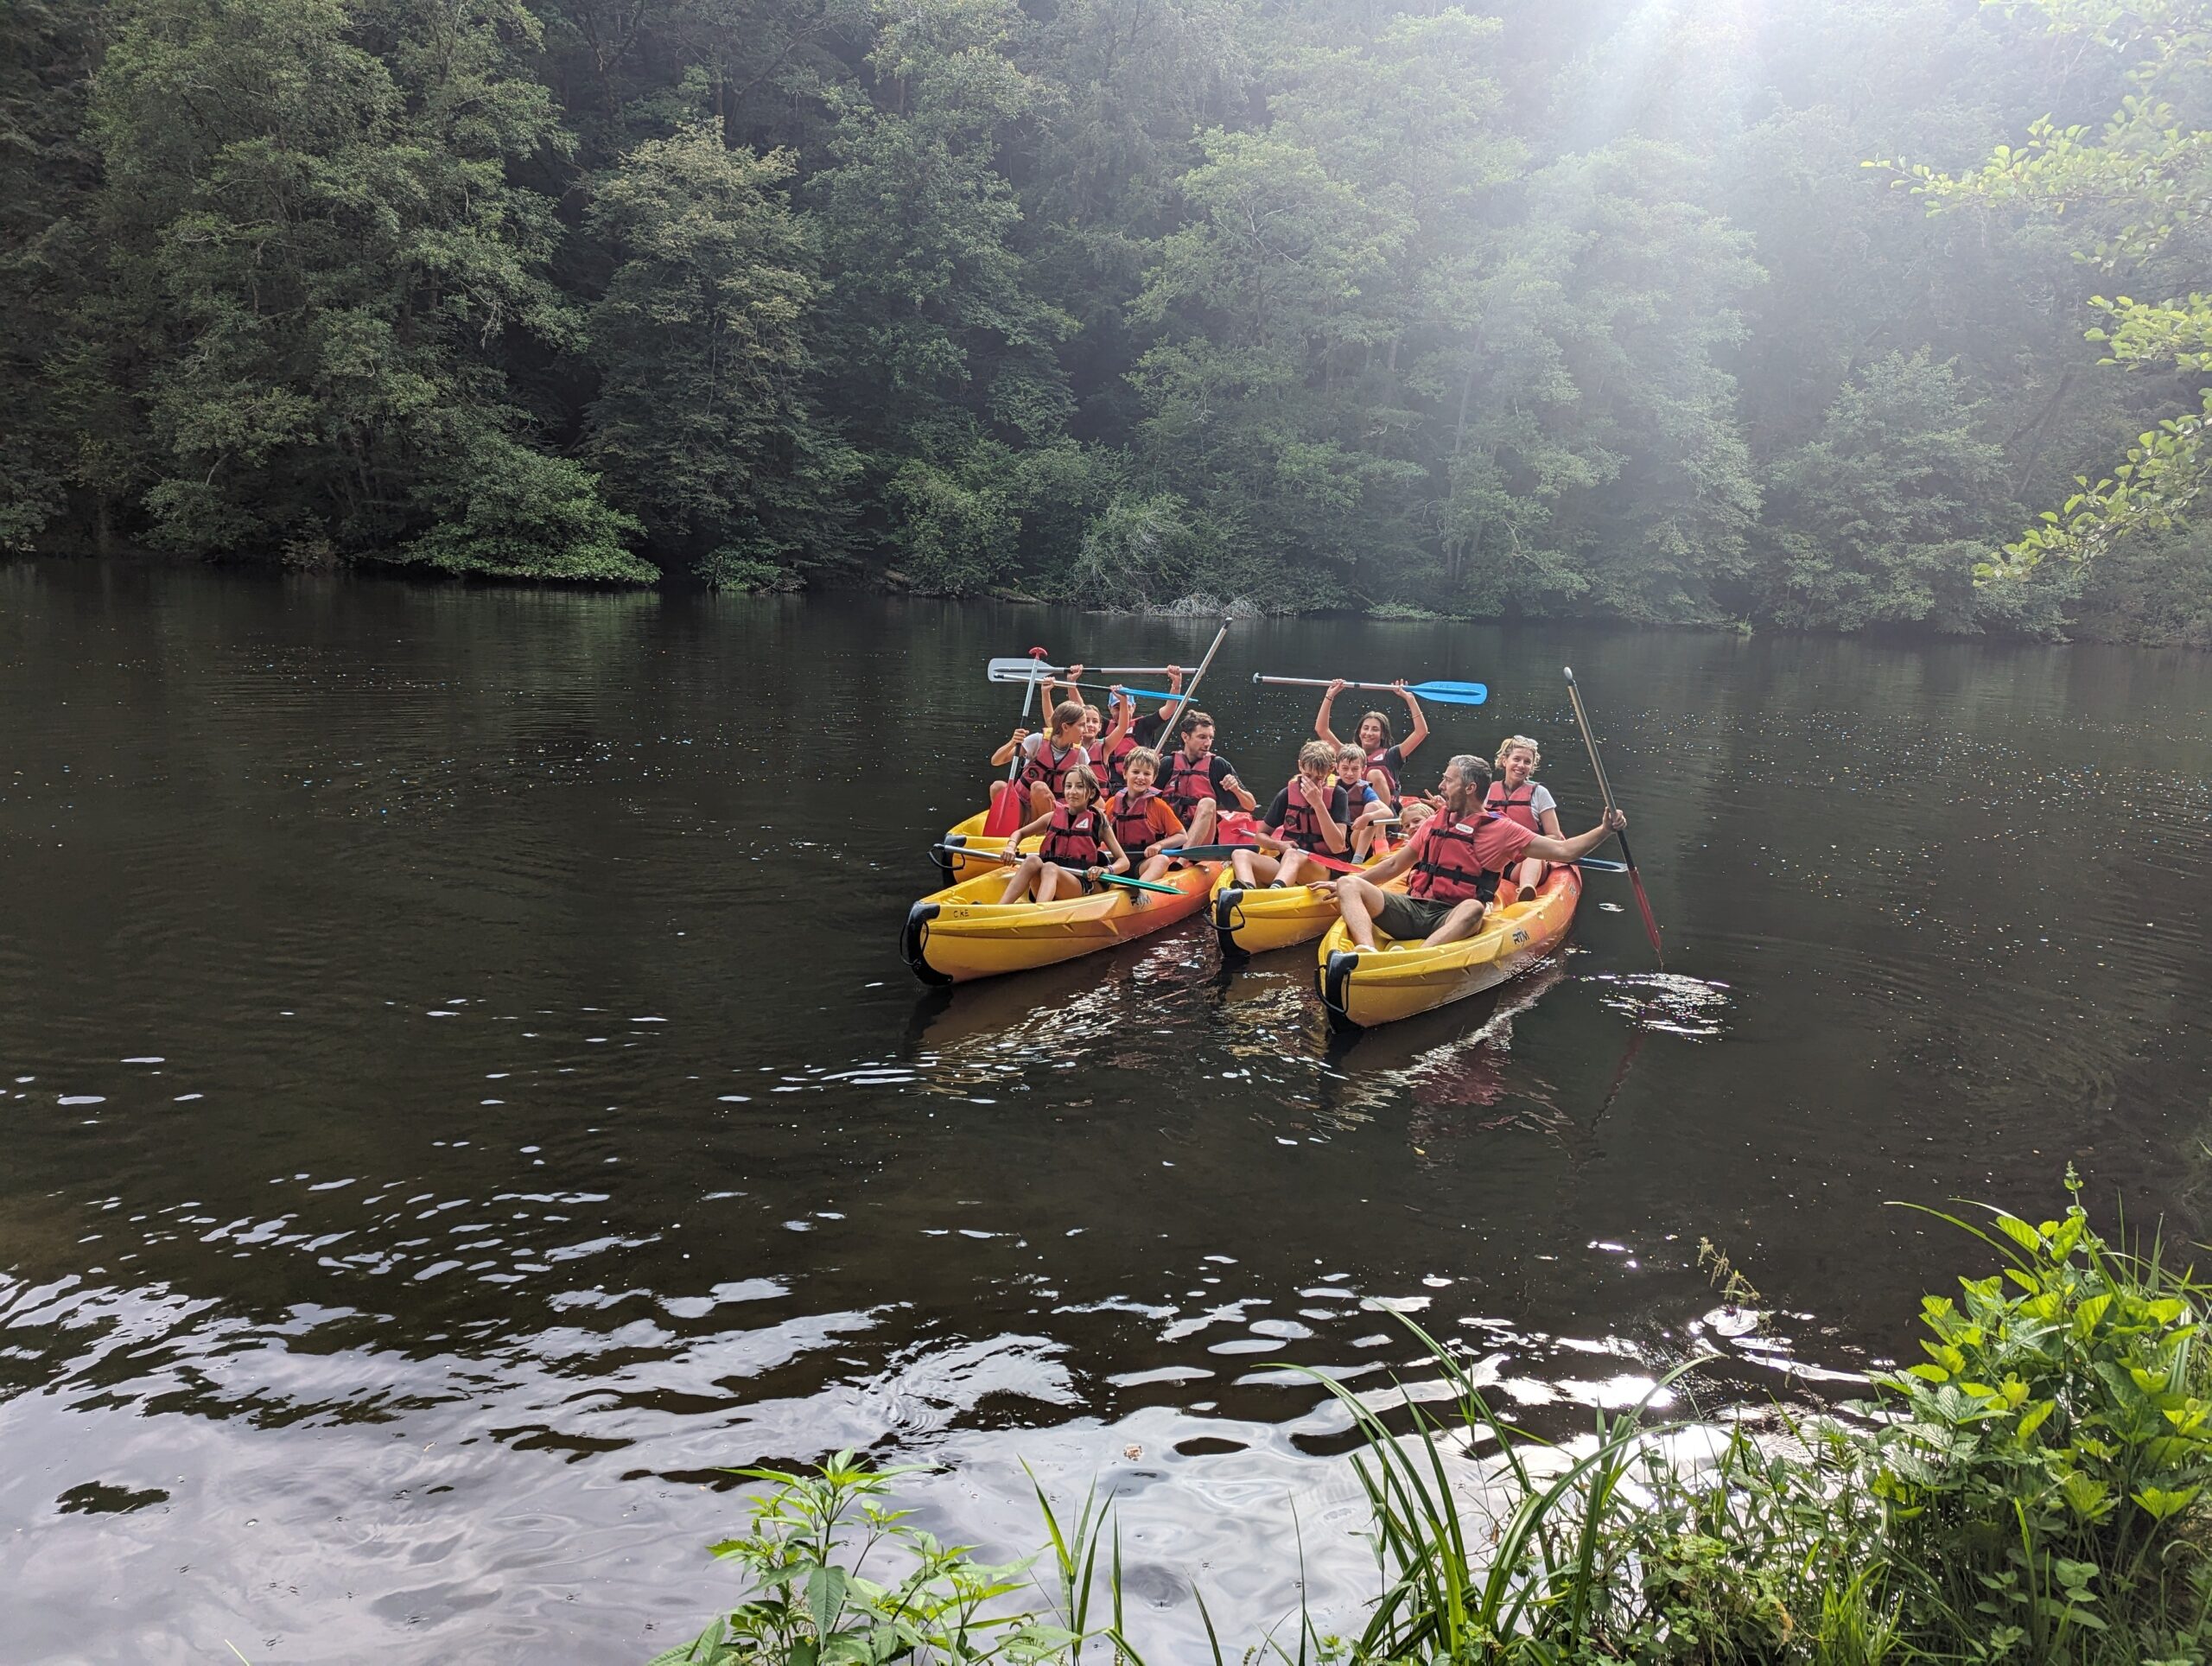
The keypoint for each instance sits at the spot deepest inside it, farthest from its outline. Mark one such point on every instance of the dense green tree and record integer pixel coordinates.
(702, 422)
(1489, 310)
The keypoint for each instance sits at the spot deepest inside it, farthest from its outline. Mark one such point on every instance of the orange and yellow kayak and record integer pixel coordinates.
(1364, 987)
(965, 932)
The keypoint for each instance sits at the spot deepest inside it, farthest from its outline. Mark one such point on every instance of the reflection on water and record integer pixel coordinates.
(462, 1092)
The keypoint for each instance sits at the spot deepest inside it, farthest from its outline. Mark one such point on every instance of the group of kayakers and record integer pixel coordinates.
(1100, 796)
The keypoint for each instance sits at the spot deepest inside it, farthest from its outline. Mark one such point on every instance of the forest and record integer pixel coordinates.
(1838, 316)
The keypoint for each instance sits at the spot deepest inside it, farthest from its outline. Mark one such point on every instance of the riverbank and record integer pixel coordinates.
(2032, 1490)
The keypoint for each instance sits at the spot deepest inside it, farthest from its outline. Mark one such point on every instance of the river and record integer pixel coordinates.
(462, 1092)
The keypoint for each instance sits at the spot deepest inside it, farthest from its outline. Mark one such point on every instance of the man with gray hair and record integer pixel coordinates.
(1456, 859)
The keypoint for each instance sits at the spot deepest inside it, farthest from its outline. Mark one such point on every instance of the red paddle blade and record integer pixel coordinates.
(1005, 817)
(1650, 926)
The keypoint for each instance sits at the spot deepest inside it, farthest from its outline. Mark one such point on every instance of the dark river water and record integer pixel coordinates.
(462, 1091)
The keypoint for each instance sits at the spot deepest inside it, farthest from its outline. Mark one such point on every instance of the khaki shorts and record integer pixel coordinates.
(1407, 918)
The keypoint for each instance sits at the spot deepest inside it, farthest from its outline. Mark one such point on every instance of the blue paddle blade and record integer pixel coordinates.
(1452, 693)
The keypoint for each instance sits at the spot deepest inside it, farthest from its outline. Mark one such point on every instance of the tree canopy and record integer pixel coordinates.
(1862, 314)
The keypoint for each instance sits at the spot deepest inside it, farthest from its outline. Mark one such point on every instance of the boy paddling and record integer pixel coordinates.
(1455, 860)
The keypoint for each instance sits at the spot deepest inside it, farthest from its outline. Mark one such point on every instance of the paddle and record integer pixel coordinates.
(1223, 852)
(1006, 814)
(1017, 670)
(1183, 704)
(1582, 721)
(1445, 694)
(980, 854)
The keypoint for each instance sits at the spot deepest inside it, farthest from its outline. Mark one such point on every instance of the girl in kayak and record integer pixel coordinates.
(1078, 844)
(1308, 814)
(1050, 756)
(1518, 795)
(1385, 759)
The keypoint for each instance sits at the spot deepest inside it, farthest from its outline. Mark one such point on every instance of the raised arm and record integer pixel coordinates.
(1574, 849)
(1005, 753)
(1419, 731)
(1321, 718)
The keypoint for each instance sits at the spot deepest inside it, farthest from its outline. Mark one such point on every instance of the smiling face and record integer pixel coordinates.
(1373, 736)
(1093, 723)
(1079, 791)
(1520, 765)
(1139, 773)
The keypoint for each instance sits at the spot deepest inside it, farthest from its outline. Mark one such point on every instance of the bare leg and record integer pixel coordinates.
(1202, 823)
(1041, 800)
(1017, 885)
(1155, 866)
(1287, 870)
(1461, 922)
(1530, 875)
(1240, 864)
(1357, 900)
(1048, 883)
(1381, 782)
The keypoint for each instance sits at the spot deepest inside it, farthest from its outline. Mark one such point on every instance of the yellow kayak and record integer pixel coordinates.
(1396, 979)
(1251, 922)
(965, 932)
(958, 867)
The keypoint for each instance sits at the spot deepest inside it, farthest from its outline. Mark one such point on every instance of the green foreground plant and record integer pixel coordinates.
(2034, 1491)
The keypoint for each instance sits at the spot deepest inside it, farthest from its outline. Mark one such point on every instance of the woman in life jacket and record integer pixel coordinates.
(1079, 843)
(1364, 803)
(1453, 864)
(1142, 819)
(1308, 814)
(1516, 793)
(1385, 758)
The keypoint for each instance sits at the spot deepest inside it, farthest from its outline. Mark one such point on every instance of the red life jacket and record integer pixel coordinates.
(1071, 840)
(1051, 767)
(1519, 805)
(1112, 759)
(1188, 781)
(1132, 825)
(1449, 870)
(1301, 826)
(1374, 761)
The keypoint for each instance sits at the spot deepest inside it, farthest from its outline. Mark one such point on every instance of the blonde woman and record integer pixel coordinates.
(1515, 794)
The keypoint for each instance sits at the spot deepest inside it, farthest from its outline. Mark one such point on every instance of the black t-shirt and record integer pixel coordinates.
(1147, 730)
(1338, 810)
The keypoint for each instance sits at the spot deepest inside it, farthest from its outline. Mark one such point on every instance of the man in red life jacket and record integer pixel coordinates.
(1197, 779)
(1455, 860)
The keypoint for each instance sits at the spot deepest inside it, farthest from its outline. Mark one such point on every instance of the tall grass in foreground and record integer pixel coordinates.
(2031, 1492)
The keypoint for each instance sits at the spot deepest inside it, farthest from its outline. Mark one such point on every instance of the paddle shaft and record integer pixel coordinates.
(1450, 694)
(1183, 704)
(1605, 790)
(1008, 669)
(982, 854)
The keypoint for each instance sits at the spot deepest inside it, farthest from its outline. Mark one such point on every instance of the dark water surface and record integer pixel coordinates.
(460, 1089)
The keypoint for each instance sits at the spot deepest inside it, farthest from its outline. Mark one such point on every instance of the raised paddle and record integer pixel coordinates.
(1006, 815)
(980, 855)
(1597, 768)
(1445, 694)
(1017, 670)
(1170, 718)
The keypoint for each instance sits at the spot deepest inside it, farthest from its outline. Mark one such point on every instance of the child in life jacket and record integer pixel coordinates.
(1361, 800)
(1515, 794)
(1049, 757)
(1078, 844)
(1308, 814)
(1385, 759)
(1148, 828)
